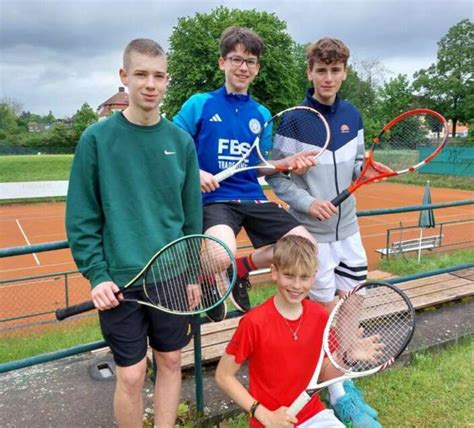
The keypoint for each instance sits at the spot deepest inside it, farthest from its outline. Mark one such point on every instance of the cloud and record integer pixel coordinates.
(57, 54)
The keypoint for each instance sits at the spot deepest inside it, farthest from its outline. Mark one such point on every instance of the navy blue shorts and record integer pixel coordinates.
(128, 327)
(265, 223)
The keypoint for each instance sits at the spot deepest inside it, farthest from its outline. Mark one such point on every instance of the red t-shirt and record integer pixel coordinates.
(280, 367)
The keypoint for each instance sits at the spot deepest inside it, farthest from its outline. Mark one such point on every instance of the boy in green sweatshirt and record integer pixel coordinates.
(134, 187)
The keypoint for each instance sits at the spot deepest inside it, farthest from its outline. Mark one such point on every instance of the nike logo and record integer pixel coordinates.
(169, 153)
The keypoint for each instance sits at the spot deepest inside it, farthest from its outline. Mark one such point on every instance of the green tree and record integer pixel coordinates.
(302, 82)
(363, 95)
(84, 117)
(448, 85)
(194, 51)
(8, 119)
(395, 97)
(49, 119)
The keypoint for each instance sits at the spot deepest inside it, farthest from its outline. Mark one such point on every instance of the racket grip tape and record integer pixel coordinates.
(339, 199)
(299, 403)
(74, 310)
(221, 176)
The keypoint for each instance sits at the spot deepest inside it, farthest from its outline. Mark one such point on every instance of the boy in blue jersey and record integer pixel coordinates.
(224, 123)
(341, 255)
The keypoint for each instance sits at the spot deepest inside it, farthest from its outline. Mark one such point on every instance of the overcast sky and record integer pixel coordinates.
(56, 55)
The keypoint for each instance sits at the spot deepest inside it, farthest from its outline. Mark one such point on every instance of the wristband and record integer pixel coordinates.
(253, 408)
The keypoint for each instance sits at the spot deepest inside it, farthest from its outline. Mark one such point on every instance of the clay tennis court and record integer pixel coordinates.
(25, 224)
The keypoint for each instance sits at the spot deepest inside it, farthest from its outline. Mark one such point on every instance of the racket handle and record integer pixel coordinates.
(339, 199)
(221, 176)
(299, 403)
(74, 310)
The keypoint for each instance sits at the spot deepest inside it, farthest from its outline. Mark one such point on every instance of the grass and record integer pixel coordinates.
(56, 167)
(50, 338)
(434, 391)
(396, 159)
(402, 265)
(34, 168)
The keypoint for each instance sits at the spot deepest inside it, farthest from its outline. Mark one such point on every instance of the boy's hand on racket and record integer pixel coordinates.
(104, 297)
(367, 348)
(375, 168)
(299, 163)
(322, 210)
(278, 418)
(194, 295)
(208, 182)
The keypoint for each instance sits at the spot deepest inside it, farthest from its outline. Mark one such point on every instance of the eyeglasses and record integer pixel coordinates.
(237, 61)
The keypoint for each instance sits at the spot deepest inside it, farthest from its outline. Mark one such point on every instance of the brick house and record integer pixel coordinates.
(117, 102)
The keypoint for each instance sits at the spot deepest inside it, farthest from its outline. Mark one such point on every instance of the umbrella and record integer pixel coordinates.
(426, 219)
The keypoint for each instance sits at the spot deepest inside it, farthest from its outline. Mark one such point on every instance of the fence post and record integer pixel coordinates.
(66, 289)
(198, 385)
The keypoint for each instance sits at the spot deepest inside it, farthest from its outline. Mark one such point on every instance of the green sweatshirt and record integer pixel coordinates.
(132, 190)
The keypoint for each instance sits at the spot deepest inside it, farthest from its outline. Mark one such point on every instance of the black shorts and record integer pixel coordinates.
(127, 327)
(265, 223)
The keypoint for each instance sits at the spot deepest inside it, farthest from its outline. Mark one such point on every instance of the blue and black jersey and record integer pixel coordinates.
(224, 126)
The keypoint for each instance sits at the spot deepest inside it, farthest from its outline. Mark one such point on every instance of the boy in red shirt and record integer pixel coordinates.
(281, 339)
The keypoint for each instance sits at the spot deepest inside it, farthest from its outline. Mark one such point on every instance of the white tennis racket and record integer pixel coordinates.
(295, 125)
(366, 331)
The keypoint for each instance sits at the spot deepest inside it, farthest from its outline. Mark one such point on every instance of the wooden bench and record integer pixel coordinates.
(425, 243)
(214, 339)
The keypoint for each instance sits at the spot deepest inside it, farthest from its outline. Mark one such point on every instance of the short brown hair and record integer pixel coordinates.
(233, 36)
(296, 255)
(144, 46)
(327, 50)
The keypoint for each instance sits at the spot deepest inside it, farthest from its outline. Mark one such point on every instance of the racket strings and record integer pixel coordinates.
(370, 329)
(399, 145)
(299, 129)
(189, 277)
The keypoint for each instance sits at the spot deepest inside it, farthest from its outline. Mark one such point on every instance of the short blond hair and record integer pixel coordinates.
(296, 255)
(143, 46)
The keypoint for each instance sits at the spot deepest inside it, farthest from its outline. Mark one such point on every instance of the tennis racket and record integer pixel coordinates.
(187, 276)
(366, 331)
(292, 126)
(397, 147)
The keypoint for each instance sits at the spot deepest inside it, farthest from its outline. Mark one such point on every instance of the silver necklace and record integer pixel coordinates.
(294, 333)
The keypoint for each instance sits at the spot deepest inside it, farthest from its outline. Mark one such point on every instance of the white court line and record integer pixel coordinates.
(28, 242)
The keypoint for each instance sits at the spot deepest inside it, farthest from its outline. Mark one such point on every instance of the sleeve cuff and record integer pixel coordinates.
(97, 276)
(304, 204)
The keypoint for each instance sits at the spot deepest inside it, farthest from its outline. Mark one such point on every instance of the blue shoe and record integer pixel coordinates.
(348, 411)
(358, 397)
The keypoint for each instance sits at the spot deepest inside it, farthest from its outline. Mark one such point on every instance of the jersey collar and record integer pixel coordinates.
(235, 97)
(323, 108)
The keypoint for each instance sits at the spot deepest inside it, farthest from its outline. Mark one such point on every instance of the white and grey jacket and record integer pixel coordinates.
(340, 164)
